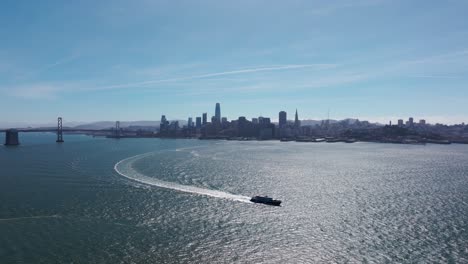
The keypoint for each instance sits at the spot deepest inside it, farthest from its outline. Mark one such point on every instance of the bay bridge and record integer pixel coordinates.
(12, 134)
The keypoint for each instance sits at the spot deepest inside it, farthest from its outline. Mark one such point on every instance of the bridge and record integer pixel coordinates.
(12, 134)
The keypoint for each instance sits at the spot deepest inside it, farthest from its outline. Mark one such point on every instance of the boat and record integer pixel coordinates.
(265, 200)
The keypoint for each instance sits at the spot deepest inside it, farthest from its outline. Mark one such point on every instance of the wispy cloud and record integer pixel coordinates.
(332, 7)
(35, 91)
(427, 76)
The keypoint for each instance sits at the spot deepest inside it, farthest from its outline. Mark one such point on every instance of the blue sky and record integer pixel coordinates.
(135, 60)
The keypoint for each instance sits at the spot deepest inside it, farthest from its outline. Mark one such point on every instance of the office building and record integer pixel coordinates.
(163, 124)
(205, 118)
(189, 122)
(198, 122)
(282, 119)
(218, 112)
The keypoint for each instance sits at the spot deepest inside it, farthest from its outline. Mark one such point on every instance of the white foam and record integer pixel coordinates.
(124, 168)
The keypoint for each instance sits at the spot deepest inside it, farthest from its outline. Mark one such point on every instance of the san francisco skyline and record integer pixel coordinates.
(373, 60)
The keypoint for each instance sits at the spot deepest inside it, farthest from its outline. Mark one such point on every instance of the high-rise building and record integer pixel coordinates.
(224, 120)
(254, 120)
(422, 122)
(163, 124)
(297, 123)
(400, 122)
(411, 121)
(189, 122)
(205, 118)
(282, 119)
(218, 112)
(198, 122)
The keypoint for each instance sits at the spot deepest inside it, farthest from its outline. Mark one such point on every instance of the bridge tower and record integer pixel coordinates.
(117, 129)
(59, 130)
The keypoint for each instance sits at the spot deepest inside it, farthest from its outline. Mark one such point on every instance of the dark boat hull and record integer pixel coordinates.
(272, 202)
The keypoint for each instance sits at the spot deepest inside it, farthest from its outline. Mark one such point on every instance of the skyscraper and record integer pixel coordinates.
(205, 118)
(282, 119)
(297, 123)
(163, 123)
(189, 122)
(218, 112)
(411, 121)
(198, 122)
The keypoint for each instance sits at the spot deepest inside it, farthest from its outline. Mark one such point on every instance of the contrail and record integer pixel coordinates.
(208, 75)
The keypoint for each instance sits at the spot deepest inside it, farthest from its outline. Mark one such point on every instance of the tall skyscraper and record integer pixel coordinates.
(218, 112)
(411, 121)
(163, 123)
(189, 122)
(198, 122)
(297, 123)
(205, 118)
(282, 119)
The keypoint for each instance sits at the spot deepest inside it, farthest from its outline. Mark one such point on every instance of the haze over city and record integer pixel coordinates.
(375, 60)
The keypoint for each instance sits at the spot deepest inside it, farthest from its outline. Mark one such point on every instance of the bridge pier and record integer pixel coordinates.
(11, 137)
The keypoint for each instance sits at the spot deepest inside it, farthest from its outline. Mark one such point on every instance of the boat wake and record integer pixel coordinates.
(28, 217)
(125, 169)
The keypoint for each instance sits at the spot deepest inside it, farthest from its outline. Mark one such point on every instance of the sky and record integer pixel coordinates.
(376, 60)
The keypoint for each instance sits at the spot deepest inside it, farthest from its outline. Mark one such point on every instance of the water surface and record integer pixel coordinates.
(102, 200)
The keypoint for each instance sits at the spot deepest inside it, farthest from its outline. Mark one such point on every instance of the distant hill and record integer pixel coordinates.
(309, 122)
(109, 124)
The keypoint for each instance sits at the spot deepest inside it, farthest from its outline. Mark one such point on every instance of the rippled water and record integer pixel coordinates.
(101, 200)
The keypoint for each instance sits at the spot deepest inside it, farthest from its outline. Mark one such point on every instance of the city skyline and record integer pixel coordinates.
(375, 60)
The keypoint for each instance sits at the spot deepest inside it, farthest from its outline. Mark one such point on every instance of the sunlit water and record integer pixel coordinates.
(97, 200)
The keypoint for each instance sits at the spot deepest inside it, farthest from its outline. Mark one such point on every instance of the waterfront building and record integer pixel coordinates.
(218, 112)
(282, 119)
(262, 121)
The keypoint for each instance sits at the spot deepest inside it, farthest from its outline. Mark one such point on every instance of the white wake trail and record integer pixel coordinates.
(28, 217)
(125, 169)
